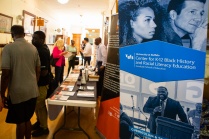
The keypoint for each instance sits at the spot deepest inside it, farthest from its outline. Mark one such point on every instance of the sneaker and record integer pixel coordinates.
(36, 126)
(40, 132)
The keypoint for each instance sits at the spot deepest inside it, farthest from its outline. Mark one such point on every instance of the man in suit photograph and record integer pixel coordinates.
(162, 105)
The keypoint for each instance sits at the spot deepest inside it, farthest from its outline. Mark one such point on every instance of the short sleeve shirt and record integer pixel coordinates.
(21, 58)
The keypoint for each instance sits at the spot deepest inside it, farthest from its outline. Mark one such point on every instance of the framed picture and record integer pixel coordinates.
(44, 27)
(29, 22)
(5, 23)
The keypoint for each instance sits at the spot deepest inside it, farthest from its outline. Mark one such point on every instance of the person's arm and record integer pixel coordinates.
(38, 67)
(6, 74)
(57, 53)
(38, 70)
(199, 38)
(148, 107)
(44, 58)
(5, 77)
(104, 56)
(181, 113)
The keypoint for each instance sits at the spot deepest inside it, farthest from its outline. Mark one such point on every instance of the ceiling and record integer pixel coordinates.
(75, 11)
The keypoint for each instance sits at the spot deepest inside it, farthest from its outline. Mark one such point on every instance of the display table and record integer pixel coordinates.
(55, 103)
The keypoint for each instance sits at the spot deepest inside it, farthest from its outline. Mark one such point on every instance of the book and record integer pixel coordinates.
(93, 77)
(85, 94)
(59, 97)
(65, 93)
(68, 88)
(72, 83)
(90, 87)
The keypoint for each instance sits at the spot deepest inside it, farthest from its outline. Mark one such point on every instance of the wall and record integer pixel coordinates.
(14, 8)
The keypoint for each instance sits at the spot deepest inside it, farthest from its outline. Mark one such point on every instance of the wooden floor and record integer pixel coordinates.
(88, 121)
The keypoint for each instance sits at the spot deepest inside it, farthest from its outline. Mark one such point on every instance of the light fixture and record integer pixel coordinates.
(63, 1)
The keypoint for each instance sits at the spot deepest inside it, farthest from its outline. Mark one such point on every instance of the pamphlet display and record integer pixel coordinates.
(161, 68)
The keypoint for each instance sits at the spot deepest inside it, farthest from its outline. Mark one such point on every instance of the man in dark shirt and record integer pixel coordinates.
(162, 105)
(41, 127)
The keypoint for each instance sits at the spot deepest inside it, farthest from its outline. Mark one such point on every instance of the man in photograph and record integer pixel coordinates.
(162, 105)
(186, 22)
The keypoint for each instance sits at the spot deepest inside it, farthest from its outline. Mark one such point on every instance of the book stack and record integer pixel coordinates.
(85, 94)
(93, 77)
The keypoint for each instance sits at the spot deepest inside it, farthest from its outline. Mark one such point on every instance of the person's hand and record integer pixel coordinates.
(101, 67)
(1, 104)
(63, 53)
(157, 109)
(199, 38)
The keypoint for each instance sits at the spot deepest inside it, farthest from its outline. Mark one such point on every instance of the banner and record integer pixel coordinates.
(162, 64)
(108, 117)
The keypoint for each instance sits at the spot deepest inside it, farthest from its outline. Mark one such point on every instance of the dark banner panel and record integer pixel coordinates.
(108, 118)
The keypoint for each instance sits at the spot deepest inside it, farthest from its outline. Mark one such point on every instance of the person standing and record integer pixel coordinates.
(41, 127)
(101, 60)
(82, 48)
(87, 51)
(20, 73)
(162, 105)
(58, 53)
(71, 59)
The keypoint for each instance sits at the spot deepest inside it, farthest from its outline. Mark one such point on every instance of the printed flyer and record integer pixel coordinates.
(162, 65)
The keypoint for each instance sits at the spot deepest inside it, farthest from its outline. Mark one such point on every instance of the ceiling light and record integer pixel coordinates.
(63, 1)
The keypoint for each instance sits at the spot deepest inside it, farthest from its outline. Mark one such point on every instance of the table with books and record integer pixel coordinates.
(72, 92)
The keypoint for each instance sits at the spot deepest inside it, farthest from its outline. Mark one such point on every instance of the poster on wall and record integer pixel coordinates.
(108, 117)
(162, 64)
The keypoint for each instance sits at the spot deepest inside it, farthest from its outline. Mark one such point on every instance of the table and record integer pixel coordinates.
(55, 106)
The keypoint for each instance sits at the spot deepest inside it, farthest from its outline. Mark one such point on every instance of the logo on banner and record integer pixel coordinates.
(160, 61)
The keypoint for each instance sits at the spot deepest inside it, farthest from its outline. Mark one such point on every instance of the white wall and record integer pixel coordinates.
(14, 8)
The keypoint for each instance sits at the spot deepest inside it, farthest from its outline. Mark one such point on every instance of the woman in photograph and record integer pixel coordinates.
(58, 53)
(138, 21)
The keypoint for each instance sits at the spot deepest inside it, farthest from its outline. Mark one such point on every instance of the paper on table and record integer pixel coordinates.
(68, 54)
(64, 97)
(60, 97)
(90, 87)
(68, 88)
(85, 94)
(65, 93)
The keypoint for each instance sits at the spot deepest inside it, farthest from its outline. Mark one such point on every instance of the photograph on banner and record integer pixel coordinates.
(142, 101)
(181, 22)
(162, 67)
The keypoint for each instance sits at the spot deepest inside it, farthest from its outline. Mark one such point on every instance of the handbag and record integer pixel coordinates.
(53, 61)
(76, 61)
